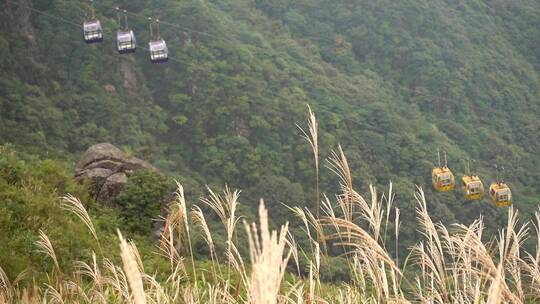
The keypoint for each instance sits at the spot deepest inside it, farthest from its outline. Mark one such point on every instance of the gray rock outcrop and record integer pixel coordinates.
(107, 169)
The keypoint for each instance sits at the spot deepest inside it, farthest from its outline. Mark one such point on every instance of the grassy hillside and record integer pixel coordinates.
(34, 196)
(71, 255)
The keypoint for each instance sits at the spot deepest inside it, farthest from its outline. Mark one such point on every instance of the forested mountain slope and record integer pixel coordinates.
(391, 81)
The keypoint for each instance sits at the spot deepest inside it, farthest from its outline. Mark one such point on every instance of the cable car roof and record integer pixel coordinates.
(471, 179)
(500, 186)
(92, 25)
(439, 170)
(124, 36)
(158, 44)
(475, 184)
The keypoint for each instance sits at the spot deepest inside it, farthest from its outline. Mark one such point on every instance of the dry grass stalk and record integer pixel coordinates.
(237, 262)
(225, 208)
(96, 294)
(218, 295)
(200, 220)
(132, 271)
(168, 247)
(433, 257)
(494, 293)
(268, 260)
(291, 242)
(531, 263)
(54, 296)
(183, 219)
(338, 163)
(116, 280)
(6, 290)
(313, 139)
(46, 247)
(74, 205)
(295, 295)
(176, 236)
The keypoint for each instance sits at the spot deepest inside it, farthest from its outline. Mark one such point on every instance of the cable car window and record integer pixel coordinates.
(503, 195)
(93, 32)
(445, 179)
(474, 188)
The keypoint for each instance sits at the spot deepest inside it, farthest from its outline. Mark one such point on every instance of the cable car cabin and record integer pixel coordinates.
(472, 186)
(501, 195)
(443, 179)
(92, 31)
(126, 42)
(159, 53)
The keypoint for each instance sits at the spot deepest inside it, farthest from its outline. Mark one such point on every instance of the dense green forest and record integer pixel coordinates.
(391, 82)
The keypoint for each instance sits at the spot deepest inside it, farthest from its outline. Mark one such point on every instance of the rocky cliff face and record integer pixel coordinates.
(107, 168)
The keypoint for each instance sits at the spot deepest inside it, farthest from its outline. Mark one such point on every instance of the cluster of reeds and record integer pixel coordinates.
(449, 265)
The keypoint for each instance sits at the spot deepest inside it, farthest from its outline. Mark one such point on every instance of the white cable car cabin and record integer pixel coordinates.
(126, 42)
(92, 31)
(159, 53)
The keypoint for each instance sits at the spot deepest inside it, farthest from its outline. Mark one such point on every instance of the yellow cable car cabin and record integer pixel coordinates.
(472, 186)
(443, 179)
(500, 193)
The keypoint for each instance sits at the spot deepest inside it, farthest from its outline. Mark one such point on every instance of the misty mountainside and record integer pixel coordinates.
(392, 82)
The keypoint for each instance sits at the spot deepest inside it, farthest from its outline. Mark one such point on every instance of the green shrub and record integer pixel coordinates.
(30, 193)
(141, 200)
(11, 168)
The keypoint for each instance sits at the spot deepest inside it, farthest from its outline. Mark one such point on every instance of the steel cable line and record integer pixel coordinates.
(66, 21)
(317, 107)
(181, 27)
(57, 18)
(44, 13)
(415, 91)
(184, 28)
(267, 93)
